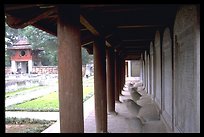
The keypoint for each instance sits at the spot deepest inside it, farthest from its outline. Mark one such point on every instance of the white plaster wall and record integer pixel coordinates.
(13, 66)
(135, 68)
(30, 66)
(129, 68)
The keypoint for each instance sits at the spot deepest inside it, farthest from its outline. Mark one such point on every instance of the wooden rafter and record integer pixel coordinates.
(19, 23)
(90, 27)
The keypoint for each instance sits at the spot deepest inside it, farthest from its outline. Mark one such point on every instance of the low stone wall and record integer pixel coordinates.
(8, 70)
(17, 81)
(18, 84)
(45, 69)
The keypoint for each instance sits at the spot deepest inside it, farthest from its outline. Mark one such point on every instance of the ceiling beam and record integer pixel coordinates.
(90, 27)
(133, 57)
(135, 40)
(136, 26)
(10, 7)
(87, 43)
(18, 23)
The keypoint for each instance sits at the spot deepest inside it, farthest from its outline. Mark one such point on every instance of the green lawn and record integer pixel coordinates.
(45, 103)
(9, 94)
(87, 90)
(48, 102)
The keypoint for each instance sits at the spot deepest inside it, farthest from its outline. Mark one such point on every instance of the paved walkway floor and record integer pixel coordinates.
(121, 123)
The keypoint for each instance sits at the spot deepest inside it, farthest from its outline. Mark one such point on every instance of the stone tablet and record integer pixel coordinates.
(135, 96)
(132, 107)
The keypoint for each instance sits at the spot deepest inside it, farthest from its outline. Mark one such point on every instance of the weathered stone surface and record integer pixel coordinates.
(132, 107)
(145, 69)
(157, 69)
(138, 84)
(151, 70)
(135, 95)
(134, 124)
(148, 74)
(167, 90)
(156, 126)
(144, 100)
(148, 112)
(187, 69)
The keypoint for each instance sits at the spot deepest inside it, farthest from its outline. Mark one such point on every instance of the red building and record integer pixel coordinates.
(23, 57)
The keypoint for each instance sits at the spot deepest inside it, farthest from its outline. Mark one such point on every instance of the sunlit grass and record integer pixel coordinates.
(9, 94)
(48, 102)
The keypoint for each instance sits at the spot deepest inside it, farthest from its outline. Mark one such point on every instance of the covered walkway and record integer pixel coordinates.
(123, 122)
(164, 40)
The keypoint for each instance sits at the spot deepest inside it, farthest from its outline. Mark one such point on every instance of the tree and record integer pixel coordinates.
(11, 37)
(41, 39)
(38, 39)
(86, 58)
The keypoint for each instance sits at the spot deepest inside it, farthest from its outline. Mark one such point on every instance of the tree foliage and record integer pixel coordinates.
(38, 39)
(86, 58)
(41, 39)
(11, 37)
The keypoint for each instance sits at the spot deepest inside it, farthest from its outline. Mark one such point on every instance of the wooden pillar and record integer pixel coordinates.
(129, 68)
(70, 70)
(110, 81)
(119, 75)
(123, 73)
(116, 66)
(100, 85)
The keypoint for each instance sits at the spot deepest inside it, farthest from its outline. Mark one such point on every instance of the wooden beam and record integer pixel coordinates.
(133, 57)
(92, 29)
(86, 39)
(107, 44)
(10, 7)
(136, 26)
(87, 43)
(135, 40)
(86, 23)
(18, 23)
